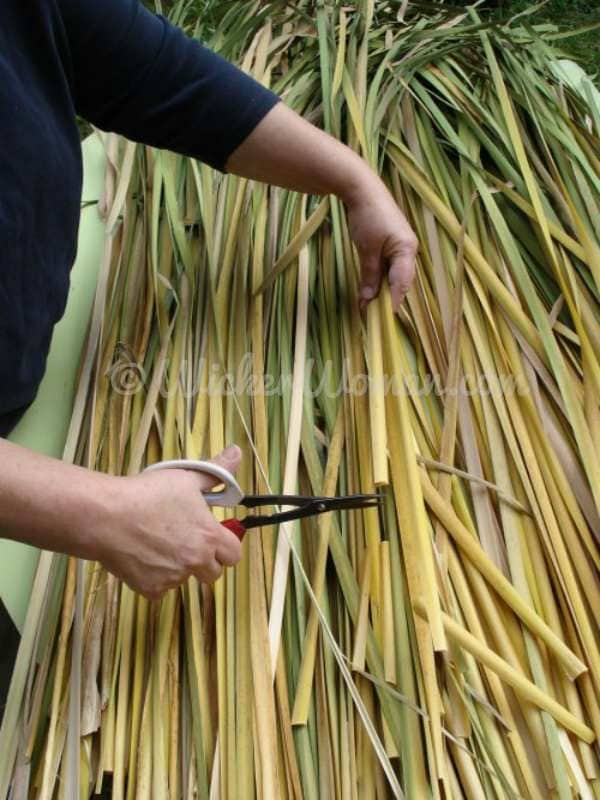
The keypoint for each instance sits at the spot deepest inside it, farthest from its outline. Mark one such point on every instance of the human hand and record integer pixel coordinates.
(384, 240)
(162, 531)
(286, 150)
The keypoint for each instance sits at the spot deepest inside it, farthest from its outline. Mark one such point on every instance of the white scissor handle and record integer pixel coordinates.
(231, 495)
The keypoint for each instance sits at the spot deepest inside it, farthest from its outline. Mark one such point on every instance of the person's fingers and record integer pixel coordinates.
(370, 280)
(229, 459)
(400, 279)
(149, 592)
(229, 548)
(209, 572)
(401, 272)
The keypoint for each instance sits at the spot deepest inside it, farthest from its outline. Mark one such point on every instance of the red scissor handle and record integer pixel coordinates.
(235, 526)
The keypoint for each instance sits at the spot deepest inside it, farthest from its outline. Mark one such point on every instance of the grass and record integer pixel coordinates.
(567, 15)
(492, 375)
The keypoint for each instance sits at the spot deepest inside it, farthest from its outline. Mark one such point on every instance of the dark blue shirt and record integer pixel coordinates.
(125, 70)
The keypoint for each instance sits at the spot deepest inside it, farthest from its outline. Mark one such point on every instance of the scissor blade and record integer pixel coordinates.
(314, 507)
(351, 501)
(257, 500)
(304, 501)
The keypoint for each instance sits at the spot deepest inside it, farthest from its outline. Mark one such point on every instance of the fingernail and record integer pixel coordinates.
(367, 292)
(231, 451)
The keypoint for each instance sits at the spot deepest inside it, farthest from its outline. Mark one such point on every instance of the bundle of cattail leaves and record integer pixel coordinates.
(446, 645)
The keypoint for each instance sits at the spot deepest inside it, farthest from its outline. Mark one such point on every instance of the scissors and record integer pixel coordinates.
(232, 495)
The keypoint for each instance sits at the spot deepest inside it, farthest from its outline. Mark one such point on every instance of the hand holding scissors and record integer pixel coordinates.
(232, 495)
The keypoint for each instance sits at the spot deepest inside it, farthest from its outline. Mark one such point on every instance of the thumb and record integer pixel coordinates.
(229, 458)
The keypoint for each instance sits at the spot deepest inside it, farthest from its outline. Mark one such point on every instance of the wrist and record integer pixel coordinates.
(359, 181)
(91, 518)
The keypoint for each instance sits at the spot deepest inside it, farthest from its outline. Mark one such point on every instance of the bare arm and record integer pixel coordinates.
(288, 151)
(152, 530)
(47, 503)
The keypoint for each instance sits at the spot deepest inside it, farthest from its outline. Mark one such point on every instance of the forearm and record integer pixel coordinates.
(152, 530)
(286, 150)
(50, 504)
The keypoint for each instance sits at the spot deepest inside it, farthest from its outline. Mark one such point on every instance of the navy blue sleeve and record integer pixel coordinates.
(136, 74)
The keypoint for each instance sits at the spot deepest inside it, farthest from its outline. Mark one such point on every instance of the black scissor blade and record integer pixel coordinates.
(303, 501)
(351, 501)
(313, 507)
(257, 500)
